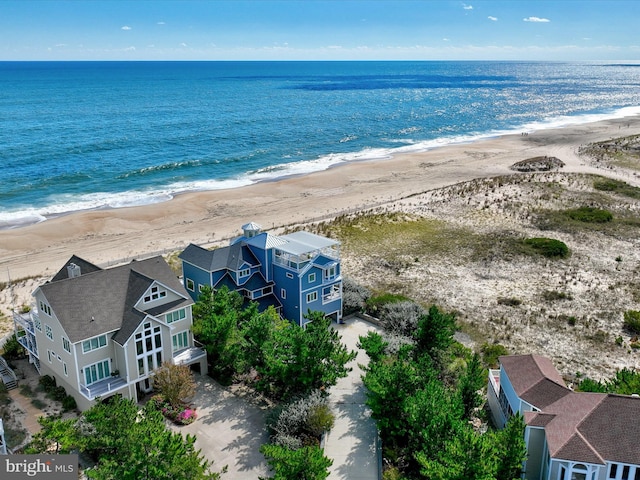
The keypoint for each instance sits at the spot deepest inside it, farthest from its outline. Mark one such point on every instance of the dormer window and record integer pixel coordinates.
(330, 272)
(155, 294)
(244, 273)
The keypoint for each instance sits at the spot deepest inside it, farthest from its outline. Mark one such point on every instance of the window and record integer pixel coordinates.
(579, 472)
(312, 277)
(49, 355)
(180, 341)
(289, 275)
(267, 290)
(190, 285)
(64, 367)
(66, 345)
(155, 293)
(37, 323)
(504, 404)
(45, 308)
(244, 273)
(201, 288)
(48, 331)
(94, 343)
(312, 297)
(96, 372)
(148, 342)
(175, 316)
(625, 472)
(330, 272)
(613, 470)
(283, 293)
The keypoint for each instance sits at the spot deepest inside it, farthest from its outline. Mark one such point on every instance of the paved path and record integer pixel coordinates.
(352, 444)
(229, 431)
(32, 413)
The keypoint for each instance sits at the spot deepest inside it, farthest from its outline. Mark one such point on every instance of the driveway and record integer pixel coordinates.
(229, 431)
(352, 443)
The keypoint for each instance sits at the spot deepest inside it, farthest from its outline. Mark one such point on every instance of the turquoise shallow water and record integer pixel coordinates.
(81, 135)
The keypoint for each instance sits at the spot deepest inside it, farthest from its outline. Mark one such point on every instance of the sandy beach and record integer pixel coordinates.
(207, 218)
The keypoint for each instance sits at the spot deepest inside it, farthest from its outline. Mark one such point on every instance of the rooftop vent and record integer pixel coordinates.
(73, 270)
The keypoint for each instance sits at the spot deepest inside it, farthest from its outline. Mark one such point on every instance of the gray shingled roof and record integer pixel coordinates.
(85, 267)
(230, 257)
(102, 301)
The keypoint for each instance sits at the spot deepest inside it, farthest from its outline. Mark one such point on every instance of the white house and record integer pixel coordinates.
(569, 435)
(103, 332)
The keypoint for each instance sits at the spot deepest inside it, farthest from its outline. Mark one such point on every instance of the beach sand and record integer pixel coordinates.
(111, 236)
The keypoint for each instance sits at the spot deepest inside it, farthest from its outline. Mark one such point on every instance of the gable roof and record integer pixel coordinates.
(104, 301)
(85, 267)
(231, 257)
(534, 379)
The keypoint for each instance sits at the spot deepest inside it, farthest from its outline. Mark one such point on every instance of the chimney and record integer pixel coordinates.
(73, 270)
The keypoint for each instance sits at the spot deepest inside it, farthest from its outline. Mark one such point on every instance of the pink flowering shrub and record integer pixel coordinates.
(180, 414)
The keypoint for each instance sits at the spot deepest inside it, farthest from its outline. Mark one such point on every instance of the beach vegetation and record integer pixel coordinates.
(174, 383)
(589, 215)
(631, 321)
(354, 296)
(547, 247)
(626, 381)
(308, 462)
(616, 186)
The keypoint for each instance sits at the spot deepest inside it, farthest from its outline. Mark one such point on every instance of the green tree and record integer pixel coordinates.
(257, 330)
(373, 345)
(216, 317)
(131, 444)
(512, 449)
(57, 436)
(472, 380)
(435, 333)
(175, 383)
(297, 360)
(306, 463)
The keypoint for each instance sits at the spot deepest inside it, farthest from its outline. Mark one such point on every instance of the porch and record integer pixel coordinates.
(102, 387)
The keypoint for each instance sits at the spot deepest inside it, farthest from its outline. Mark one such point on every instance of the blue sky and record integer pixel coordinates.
(600, 30)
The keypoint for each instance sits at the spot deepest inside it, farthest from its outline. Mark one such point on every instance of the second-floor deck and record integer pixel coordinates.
(188, 355)
(103, 387)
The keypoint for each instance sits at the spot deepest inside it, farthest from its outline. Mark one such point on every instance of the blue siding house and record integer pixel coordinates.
(295, 273)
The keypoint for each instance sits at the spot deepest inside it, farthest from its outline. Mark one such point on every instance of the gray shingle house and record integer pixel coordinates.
(569, 435)
(103, 332)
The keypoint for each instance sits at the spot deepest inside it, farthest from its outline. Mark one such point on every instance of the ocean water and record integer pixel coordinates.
(87, 135)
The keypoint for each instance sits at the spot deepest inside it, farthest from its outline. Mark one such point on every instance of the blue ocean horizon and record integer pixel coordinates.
(88, 135)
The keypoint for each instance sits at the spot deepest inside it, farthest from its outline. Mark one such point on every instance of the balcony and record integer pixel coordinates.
(188, 355)
(25, 321)
(102, 387)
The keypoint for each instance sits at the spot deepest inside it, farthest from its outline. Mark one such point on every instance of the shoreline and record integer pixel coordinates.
(208, 217)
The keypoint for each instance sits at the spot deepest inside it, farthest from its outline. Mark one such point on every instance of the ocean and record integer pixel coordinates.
(89, 135)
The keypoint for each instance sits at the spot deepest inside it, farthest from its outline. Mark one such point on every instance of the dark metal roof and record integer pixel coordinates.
(231, 257)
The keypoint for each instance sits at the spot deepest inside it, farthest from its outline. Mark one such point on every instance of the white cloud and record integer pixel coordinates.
(130, 49)
(536, 20)
(126, 27)
(467, 7)
(183, 44)
(493, 19)
(160, 23)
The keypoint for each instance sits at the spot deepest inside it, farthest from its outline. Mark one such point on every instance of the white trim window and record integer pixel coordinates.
(191, 286)
(176, 316)
(330, 272)
(37, 323)
(244, 272)
(283, 293)
(66, 344)
(312, 277)
(148, 349)
(94, 343)
(48, 332)
(154, 294)
(97, 371)
(180, 341)
(312, 297)
(45, 308)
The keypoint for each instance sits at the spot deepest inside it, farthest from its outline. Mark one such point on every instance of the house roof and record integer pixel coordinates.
(534, 379)
(579, 426)
(231, 257)
(264, 241)
(301, 242)
(104, 301)
(85, 267)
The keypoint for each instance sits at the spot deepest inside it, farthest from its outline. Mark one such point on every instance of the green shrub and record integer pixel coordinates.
(26, 390)
(491, 352)
(547, 247)
(509, 302)
(622, 188)
(589, 215)
(632, 321)
(69, 403)
(553, 295)
(36, 402)
(12, 349)
(47, 382)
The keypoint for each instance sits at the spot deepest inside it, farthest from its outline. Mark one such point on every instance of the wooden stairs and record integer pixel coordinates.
(8, 377)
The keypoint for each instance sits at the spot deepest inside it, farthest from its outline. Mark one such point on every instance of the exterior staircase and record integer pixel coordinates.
(8, 377)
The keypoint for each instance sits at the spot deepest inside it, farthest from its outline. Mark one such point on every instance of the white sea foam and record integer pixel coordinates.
(64, 204)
